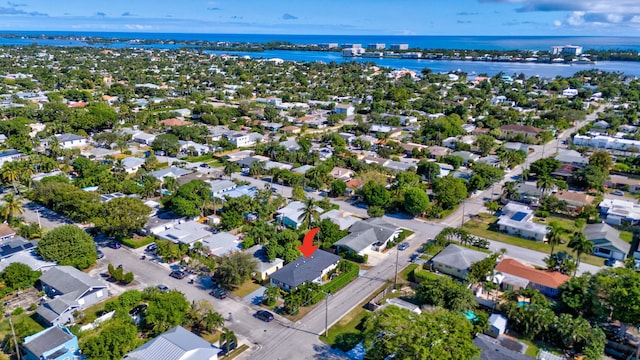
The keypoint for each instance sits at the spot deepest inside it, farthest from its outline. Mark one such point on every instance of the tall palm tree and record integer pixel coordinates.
(256, 168)
(12, 207)
(545, 183)
(509, 189)
(554, 237)
(212, 320)
(11, 175)
(580, 245)
(227, 336)
(309, 212)
(170, 183)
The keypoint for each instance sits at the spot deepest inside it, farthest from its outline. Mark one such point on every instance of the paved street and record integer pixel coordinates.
(47, 219)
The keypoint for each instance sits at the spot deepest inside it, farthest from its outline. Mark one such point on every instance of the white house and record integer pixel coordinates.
(10, 155)
(347, 109)
(143, 138)
(239, 139)
(70, 141)
(456, 261)
(606, 142)
(132, 164)
(516, 220)
(617, 212)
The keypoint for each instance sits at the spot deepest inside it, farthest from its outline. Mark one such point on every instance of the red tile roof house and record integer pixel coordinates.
(518, 276)
(173, 122)
(513, 129)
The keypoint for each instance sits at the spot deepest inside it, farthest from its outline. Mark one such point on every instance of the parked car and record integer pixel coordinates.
(163, 288)
(610, 262)
(403, 246)
(264, 315)
(178, 274)
(227, 347)
(205, 165)
(115, 245)
(218, 293)
(152, 247)
(617, 193)
(138, 309)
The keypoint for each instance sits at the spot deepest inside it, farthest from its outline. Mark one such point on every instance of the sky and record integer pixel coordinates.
(329, 17)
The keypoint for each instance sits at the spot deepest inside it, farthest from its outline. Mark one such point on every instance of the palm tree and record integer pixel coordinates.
(227, 336)
(580, 245)
(12, 207)
(170, 183)
(211, 321)
(256, 168)
(11, 175)
(554, 237)
(545, 183)
(231, 168)
(309, 212)
(509, 189)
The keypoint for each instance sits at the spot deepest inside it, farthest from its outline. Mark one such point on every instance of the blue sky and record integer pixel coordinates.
(349, 17)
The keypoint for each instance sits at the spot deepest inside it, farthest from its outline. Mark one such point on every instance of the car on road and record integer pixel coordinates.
(100, 254)
(151, 247)
(115, 245)
(163, 288)
(264, 315)
(227, 347)
(205, 165)
(617, 193)
(218, 293)
(274, 190)
(177, 274)
(403, 246)
(610, 262)
(138, 310)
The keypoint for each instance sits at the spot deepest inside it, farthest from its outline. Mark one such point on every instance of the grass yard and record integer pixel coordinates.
(404, 274)
(138, 241)
(24, 325)
(246, 288)
(212, 338)
(533, 347)
(479, 226)
(626, 236)
(345, 329)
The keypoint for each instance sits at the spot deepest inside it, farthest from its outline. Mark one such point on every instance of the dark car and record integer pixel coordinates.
(152, 247)
(115, 245)
(610, 262)
(178, 274)
(403, 246)
(227, 347)
(100, 254)
(264, 315)
(218, 293)
(205, 165)
(163, 288)
(138, 309)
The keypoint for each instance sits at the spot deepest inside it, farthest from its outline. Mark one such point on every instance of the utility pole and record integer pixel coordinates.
(15, 341)
(462, 221)
(326, 315)
(395, 280)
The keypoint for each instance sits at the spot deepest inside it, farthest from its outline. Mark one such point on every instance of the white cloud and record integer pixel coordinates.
(576, 18)
(614, 18)
(557, 23)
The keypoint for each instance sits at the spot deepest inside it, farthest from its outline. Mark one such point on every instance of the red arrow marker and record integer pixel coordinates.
(307, 248)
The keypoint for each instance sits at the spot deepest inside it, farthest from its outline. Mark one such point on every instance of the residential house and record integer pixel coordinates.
(256, 138)
(403, 304)
(624, 183)
(497, 325)
(313, 269)
(239, 139)
(11, 245)
(70, 141)
(265, 267)
(247, 161)
(500, 349)
(437, 151)
(177, 343)
(516, 146)
(619, 212)
(174, 172)
(290, 130)
(10, 155)
(132, 164)
(512, 130)
(29, 258)
(143, 138)
(343, 219)
(291, 145)
(185, 233)
(160, 222)
(572, 157)
(516, 275)
(343, 174)
(346, 109)
(222, 244)
(277, 165)
(576, 201)
(218, 187)
(242, 190)
(193, 148)
(516, 220)
(291, 215)
(183, 113)
(527, 194)
(456, 260)
(606, 241)
(239, 155)
(371, 234)
(54, 343)
(70, 290)
(467, 156)
(302, 169)
(6, 233)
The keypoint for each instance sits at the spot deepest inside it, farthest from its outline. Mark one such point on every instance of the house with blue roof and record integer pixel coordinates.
(54, 343)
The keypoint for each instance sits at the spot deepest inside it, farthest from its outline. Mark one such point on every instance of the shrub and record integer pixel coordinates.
(17, 311)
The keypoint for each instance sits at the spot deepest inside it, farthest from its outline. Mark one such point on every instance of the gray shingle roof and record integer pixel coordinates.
(175, 344)
(67, 279)
(46, 340)
(69, 137)
(492, 349)
(601, 234)
(458, 257)
(302, 269)
(364, 233)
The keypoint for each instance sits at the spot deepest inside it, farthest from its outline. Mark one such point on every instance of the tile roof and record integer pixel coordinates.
(174, 122)
(550, 279)
(520, 128)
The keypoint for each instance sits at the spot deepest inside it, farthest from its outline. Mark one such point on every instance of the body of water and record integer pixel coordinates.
(425, 42)
(478, 67)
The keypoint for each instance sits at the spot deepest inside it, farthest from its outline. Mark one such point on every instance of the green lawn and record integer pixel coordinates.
(479, 226)
(626, 236)
(346, 329)
(533, 347)
(245, 289)
(24, 325)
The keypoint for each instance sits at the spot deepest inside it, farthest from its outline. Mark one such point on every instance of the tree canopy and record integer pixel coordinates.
(68, 245)
(122, 216)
